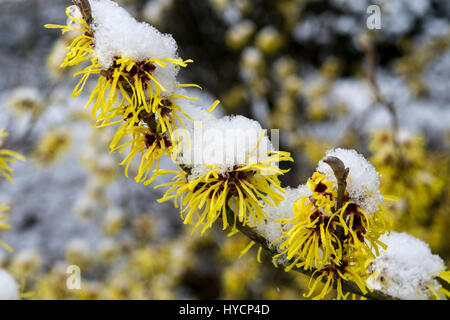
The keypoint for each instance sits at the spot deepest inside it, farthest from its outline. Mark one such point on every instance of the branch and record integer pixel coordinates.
(341, 173)
(338, 168)
(348, 286)
(380, 98)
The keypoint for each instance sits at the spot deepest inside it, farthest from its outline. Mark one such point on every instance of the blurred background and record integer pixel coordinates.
(310, 68)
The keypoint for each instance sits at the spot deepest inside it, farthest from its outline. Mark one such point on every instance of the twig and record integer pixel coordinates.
(85, 9)
(341, 173)
(348, 286)
(380, 98)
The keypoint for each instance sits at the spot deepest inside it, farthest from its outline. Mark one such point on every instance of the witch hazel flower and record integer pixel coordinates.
(80, 48)
(233, 177)
(137, 86)
(278, 220)
(335, 227)
(407, 269)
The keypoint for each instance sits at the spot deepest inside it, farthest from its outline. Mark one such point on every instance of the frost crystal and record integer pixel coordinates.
(362, 182)
(9, 289)
(406, 268)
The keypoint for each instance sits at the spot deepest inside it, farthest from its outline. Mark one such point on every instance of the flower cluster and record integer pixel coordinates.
(137, 88)
(229, 170)
(406, 173)
(213, 195)
(336, 241)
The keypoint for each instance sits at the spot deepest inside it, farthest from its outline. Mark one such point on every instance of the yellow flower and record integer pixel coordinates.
(150, 145)
(444, 276)
(363, 230)
(311, 239)
(81, 47)
(153, 134)
(52, 145)
(128, 93)
(408, 171)
(242, 189)
(323, 192)
(136, 83)
(334, 273)
(6, 157)
(321, 235)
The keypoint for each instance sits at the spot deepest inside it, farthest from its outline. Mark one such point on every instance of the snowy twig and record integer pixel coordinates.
(85, 9)
(341, 173)
(150, 117)
(348, 286)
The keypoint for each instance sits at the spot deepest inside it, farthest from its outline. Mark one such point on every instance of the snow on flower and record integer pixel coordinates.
(362, 181)
(406, 269)
(271, 227)
(232, 165)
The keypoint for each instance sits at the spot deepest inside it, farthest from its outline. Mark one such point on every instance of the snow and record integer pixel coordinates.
(9, 289)
(118, 34)
(362, 181)
(225, 143)
(270, 228)
(405, 268)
